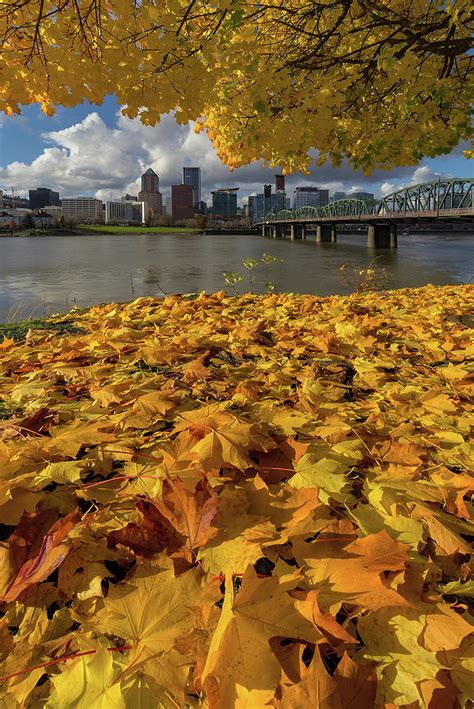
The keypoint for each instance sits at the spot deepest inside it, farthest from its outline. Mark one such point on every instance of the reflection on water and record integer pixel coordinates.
(53, 273)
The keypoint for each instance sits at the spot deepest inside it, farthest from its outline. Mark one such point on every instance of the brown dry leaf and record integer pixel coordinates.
(50, 555)
(316, 689)
(356, 684)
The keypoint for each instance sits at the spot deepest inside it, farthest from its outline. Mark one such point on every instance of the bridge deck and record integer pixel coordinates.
(442, 214)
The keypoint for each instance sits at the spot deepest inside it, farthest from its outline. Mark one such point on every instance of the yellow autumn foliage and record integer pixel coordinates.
(380, 83)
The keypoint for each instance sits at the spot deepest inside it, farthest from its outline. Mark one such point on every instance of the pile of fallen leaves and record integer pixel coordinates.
(239, 501)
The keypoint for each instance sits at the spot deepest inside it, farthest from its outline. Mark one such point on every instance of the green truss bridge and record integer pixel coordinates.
(444, 200)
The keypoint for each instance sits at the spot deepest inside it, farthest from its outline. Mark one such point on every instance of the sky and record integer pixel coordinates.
(95, 150)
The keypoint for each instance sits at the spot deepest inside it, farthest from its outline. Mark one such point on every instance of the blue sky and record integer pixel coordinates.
(94, 150)
(21, 136)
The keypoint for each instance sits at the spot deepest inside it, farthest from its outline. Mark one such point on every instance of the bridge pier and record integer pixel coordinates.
(297, 231)
(393, 236)
(382, 236)
(278, 231)
(326, 233)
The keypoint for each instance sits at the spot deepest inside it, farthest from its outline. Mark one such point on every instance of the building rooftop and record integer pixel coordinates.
(308, 189)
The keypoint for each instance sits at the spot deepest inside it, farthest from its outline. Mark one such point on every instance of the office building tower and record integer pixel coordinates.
(192, 176)
(167, 205)
(252, 205)
(150, 194)
(310, 197)
(43, 197)
(150, 181)
(280, 183)
(224, 203)
(83, 209)
(366, 196)
(182, 202)
(259, 205)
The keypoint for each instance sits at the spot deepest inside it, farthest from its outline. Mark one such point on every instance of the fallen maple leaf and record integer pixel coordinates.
(52, 552)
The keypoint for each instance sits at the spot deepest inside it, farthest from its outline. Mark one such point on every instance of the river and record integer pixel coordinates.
(47, 274)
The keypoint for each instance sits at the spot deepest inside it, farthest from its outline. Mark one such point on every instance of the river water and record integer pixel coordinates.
(47, 274)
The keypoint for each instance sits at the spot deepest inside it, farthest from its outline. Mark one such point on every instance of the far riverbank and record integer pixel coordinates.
(100, 230)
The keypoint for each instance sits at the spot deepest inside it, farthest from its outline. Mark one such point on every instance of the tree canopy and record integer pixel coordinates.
(380, 83)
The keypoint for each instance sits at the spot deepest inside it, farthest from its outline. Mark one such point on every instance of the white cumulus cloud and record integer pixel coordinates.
(92, 158)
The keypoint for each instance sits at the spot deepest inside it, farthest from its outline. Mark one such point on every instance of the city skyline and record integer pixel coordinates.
(272, 197)
(95, 151)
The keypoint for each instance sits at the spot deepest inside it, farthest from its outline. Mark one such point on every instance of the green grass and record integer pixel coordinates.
(18, 330)
(105, 229)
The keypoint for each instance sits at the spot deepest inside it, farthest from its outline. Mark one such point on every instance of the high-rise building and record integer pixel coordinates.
(129, 198)
(337, 196)
(84, 209)
(367, 196)
(182, 202)
(43, 197)
(224, 203)
(167, 206)
(310, 197)
(1, 199)
(252, 200)
(259, 205)
(150, 181)
(267, 190)
(192, 176)
(150, 194)
(280, 183)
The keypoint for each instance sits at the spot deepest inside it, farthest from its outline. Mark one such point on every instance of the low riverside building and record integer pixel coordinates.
(7, 221)
(54, 211)
(23, 217)
(83, 209)
(18, 215)
(41, 219)
(125, 212)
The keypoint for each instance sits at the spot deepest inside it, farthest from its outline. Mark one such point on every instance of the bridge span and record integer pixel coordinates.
(441, 201)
